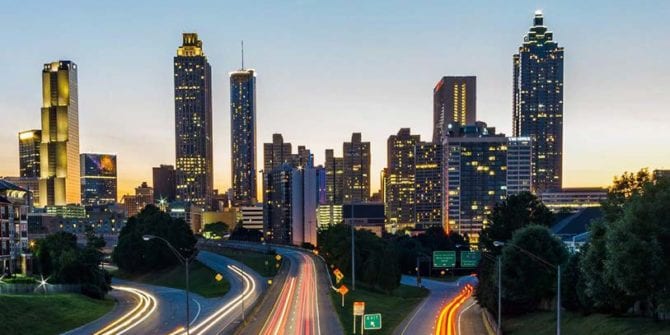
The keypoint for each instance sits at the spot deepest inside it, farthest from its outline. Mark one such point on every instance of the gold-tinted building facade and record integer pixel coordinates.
(59, 150)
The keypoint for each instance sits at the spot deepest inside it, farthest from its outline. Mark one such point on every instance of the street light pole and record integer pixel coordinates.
(353, 251)
(499, 295)
(186, 262)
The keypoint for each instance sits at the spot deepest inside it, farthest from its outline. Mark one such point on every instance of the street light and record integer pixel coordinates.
(185, 261)
(542, 261)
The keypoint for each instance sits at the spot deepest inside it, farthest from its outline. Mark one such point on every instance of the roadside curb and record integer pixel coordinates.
(489, 323)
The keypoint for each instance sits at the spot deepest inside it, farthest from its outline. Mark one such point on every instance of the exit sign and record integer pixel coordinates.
(372, 321)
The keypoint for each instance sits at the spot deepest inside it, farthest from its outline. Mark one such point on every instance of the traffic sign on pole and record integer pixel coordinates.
(470, 259)
(372, 321)
(444, 259)
(359, 308)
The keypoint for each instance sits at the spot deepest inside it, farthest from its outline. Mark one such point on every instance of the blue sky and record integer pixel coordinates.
(330, 68)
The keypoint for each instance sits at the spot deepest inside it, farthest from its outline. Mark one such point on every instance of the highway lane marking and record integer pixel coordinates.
(414, 315)
(460, 314)
(196, 314)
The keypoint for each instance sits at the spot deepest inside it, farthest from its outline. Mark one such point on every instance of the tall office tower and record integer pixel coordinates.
(356, 159)
(277, 211)
(98, 179)
(276, 153)
(399, 180)
(29, 153)
(59, 151)
(428, 183)
(519, 165)
(193, 122)
(334, 178)
(454, 101)
(304, 202)
(538, 103)
(321, 184)
(243, 135)
(474, 177)
(302, 158)
(164, 183)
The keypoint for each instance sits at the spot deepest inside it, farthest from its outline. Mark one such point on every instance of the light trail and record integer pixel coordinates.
(299, 294)
(446, 322)
(145, 307)
(218, 315)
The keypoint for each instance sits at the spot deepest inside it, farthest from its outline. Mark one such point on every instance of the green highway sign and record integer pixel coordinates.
(470, 259)
(372, 321)
(444, 259)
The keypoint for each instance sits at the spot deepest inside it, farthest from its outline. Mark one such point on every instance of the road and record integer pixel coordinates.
(424, 318)
(471, 321)
(303, 306)
(208, 316)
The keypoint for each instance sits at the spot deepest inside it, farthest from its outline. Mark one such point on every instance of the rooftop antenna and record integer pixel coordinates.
(242, 42)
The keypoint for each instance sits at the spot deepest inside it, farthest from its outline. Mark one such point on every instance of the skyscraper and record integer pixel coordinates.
(519, 165)
(276, 153)
(399, 185)
(454, 101)
(164, 183)
(243, 135)
(193, 122)
(538, 103)
(474, 177)
(59, 151)
(356, 164)
(428, 184)
(29, 153)
(334, 178)
(98, 179)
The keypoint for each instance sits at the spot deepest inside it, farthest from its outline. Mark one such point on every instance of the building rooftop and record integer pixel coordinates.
(577, 223)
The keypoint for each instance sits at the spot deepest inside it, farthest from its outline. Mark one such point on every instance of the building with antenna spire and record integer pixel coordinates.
(243, 134)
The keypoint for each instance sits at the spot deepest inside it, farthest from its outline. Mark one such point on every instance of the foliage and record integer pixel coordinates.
(61, 260)
(134, 255)
(243, 234)
(573, 286)
(377, 259)
(516, 212)
(622, 189)
(526, 279)
(216, 230)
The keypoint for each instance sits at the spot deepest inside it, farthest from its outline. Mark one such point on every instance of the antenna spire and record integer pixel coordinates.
(242, 54)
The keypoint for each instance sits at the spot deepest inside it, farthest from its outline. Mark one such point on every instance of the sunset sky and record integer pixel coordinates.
(330, 68)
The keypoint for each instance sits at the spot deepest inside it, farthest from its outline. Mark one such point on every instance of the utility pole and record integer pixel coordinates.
(353, 251)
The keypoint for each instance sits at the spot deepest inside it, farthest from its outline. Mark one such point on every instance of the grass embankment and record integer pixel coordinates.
(201, 279)
(48, 314)
(263, 264)
(542, 323)
(394, 308)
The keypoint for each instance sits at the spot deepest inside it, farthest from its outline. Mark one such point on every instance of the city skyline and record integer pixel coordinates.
(589, 114)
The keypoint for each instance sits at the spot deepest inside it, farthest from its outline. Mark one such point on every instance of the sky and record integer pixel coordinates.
(326, 69)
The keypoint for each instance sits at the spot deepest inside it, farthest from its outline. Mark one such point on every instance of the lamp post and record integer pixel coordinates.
(545, 262)
(353, 252)
(186, 262)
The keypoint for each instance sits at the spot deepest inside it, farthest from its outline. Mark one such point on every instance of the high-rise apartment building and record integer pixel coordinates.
(193, 122)
(428, 185)
(334, 178)
(474, 177)
(276, 153)
(243, 135)
(164, 183)
(98, 179)
(29, 153)
(399, 185)
(60, 182)
(356, 164)
(519, 165)
(454, 101)
(538, 103)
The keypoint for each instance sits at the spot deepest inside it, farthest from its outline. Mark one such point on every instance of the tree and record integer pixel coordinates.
(638, 247)
(243, 234)
(216, 230)
(63, 261)
(527, 282)
(573, 285)
(622, 189)
(134, 255)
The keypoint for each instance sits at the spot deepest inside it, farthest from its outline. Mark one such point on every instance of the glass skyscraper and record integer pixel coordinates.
(243, 135)
(399, 184)
(454, 101)
(538, 103)
(193, 122)
(59, 151)
(29, 153)
(356, 165)
(98, 179)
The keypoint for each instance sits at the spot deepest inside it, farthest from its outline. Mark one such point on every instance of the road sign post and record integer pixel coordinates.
(343, 290)
(372, 321)
(359, 310)
(470, 259)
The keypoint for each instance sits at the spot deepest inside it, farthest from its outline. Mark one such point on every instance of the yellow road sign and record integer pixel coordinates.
(218, 277)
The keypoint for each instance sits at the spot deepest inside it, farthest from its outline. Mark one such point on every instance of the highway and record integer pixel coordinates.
(303, 306)
(424, 319)
(165, 311)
